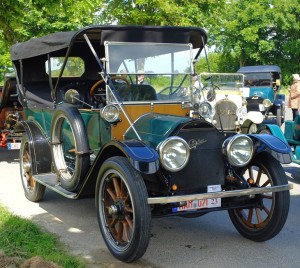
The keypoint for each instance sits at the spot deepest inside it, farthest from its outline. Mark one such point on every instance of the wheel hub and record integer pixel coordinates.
(116, 209)
(113, 210)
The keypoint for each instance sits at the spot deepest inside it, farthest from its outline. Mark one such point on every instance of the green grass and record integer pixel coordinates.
(22, 238)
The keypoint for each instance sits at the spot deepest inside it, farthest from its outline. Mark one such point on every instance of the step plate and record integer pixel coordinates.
(50, 181)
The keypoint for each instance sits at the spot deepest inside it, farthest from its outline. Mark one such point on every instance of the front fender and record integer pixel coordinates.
(279, 100)
(255, 117)
(278, 148)
(142, 157)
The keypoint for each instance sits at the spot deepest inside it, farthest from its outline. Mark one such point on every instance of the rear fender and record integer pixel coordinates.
(277, 147)
(38, 145)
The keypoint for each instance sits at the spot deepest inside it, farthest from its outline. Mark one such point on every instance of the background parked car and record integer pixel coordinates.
(264, 82)
(11, 112)
(227, 96)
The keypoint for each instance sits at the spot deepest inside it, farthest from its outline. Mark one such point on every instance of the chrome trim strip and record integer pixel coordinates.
(155, 102)
(223, 194)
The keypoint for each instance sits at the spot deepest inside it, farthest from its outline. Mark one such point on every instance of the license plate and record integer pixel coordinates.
(14, 146)
(199, 204)
(203, 203)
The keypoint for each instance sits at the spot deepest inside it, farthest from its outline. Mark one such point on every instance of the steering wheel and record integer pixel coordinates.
(102, 90)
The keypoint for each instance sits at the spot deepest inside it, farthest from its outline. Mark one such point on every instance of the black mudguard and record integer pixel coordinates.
(38, 145)
(143, 158)
(278, 148)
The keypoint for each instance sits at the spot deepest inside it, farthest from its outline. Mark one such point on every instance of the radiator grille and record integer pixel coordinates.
(253, 104)
(225, 113)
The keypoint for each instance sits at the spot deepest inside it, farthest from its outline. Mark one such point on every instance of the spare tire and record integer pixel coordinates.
(69, 146)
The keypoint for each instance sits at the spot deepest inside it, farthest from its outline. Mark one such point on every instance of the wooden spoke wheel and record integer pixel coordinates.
(264, 221)
(123, 213)
(34, 191)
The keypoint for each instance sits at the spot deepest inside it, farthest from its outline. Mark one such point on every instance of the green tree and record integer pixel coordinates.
(246, 31)
(286, 17)
(260, 32)
(21, 20)
(218, 63)
(161, 12)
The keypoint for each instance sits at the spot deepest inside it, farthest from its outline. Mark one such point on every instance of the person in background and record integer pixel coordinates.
(252, 81)
(141, 78)
(294, 96)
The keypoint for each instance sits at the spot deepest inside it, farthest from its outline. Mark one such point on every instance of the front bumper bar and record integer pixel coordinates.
(222, 194)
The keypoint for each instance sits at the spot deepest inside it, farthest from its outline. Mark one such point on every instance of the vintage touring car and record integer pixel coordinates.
(111, 111)
(264, 82)
(229, 103)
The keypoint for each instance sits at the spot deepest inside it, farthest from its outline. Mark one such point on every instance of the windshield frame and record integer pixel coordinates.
(171, 86)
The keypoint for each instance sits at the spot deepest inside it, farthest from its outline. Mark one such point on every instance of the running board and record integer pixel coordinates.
(222, 194)
(50, 181)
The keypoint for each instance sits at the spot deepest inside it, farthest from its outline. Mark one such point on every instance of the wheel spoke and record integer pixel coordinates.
(117, 187)
(112, 195)
(250, 214)
(126, 231)
(120, 232)
(258, 215)
(126, 198)
(25, 157)
(242, 213)
(250, 172)
(266, 183)
(31, 182)
(128, 209)
(113, 223)
(258, 176)
(129, 221)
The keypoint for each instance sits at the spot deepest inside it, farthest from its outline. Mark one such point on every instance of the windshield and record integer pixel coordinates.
(258, 79)
(222, 81)
(137, 68)
(221, 85)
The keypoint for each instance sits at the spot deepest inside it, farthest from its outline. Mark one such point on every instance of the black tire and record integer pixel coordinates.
(264, 130)
(34, 191)
(123, 212)
(70, 147)
(265, 221)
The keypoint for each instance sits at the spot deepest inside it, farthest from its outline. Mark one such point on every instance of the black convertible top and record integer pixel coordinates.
(100, 33)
